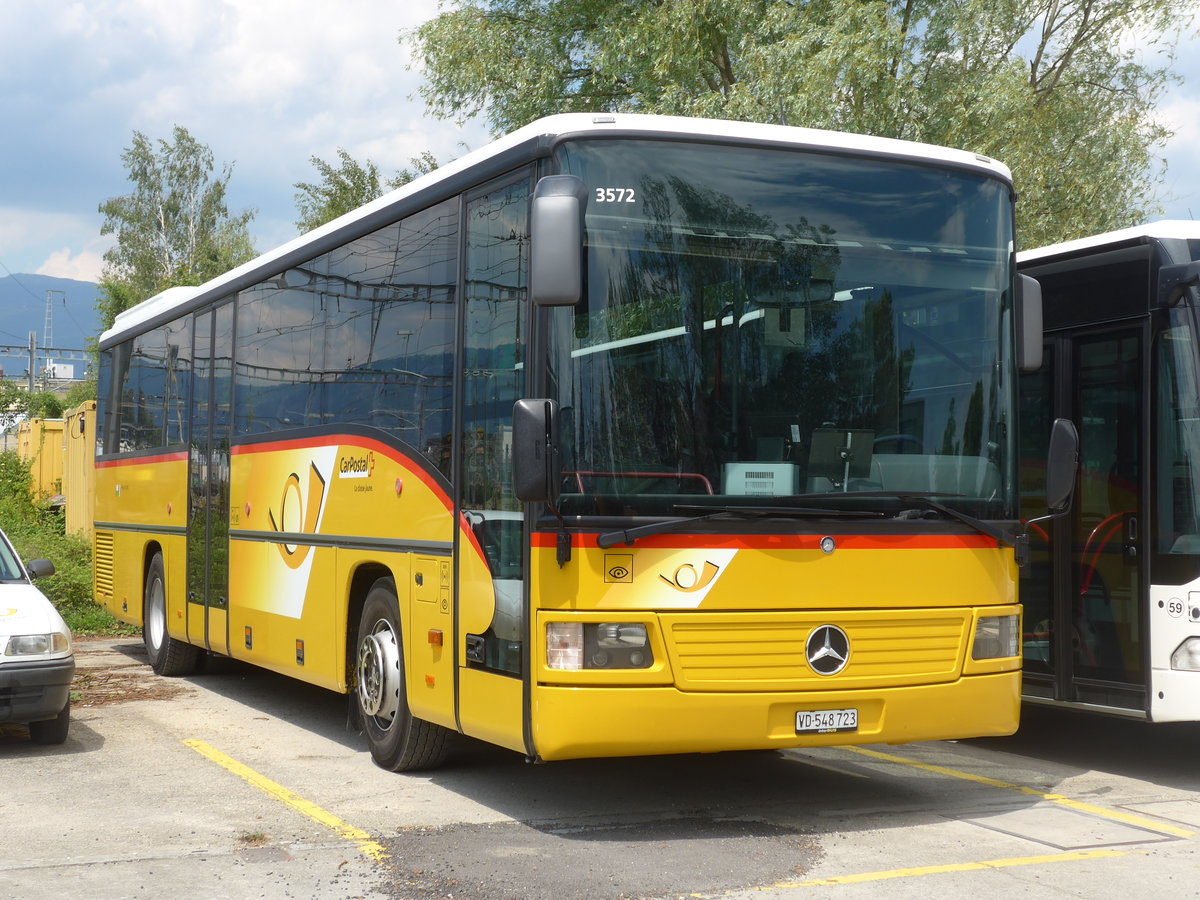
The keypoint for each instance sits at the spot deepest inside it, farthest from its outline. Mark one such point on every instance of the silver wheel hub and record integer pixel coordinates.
(156, 615)
(379, 674)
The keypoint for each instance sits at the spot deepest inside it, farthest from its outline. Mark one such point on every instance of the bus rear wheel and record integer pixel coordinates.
(167, 655)
(398, 740)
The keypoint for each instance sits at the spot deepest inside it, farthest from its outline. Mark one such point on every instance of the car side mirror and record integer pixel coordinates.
(39, 568)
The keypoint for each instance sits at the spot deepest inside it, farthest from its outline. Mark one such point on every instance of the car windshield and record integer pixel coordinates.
(762, 324)
(10, 569)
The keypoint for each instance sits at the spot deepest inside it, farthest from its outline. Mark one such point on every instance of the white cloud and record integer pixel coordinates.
(266, 84)
(65, 263)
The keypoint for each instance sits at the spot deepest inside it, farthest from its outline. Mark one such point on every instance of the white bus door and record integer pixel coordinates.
(1085, 591)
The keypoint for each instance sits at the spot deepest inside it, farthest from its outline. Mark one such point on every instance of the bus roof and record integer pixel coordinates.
(534, 141)
(1166, 229)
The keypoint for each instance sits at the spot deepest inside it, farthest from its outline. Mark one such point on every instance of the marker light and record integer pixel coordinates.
(995, 637)
(1187, 655)
(564, 645)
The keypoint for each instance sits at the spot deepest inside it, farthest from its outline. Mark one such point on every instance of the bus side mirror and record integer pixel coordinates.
(1174, 281)
(556, 241)
(537, 467)
(1029, 324)
(1062, 463)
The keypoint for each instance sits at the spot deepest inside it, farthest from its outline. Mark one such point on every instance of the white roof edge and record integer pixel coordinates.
(1164, 229)
(577, 124)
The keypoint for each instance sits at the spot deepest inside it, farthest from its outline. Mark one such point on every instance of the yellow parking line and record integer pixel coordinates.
(953, 867)
(366, 845)
(1127, 818)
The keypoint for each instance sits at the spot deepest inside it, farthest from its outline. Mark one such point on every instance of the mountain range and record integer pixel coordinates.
(73, 316)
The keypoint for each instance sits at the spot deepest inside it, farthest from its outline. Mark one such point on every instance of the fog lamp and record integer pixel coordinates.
(1187, 655)
(996, 637)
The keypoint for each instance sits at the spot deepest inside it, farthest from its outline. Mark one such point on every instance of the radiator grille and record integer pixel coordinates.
(765, 651)
(102, 562)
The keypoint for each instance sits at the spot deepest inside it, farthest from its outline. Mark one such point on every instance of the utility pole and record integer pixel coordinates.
(48, 326)
(32, 358)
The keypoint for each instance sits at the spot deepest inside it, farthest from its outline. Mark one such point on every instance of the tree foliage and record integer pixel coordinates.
(1057, 89)
(341, 189)
(175, 228)
(15, 402)
(349, 185)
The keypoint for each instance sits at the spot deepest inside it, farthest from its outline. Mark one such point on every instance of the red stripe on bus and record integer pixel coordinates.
(323, 441)
(549, 539)
(181, 456)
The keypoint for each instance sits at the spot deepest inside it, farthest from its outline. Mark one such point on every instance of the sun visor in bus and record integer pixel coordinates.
(556, 241)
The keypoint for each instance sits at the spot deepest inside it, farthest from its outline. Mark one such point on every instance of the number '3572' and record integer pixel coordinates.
(616, 195)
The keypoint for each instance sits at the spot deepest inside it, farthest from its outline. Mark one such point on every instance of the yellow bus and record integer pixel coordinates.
(622, 435)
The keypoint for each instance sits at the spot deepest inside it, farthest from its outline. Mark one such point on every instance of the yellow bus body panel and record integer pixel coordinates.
(727, 615)
(147, 496)
(727, 620)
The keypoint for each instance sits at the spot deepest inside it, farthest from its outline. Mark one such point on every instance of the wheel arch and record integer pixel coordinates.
(361, 580)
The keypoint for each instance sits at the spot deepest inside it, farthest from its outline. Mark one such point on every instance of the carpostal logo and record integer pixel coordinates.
(299, 513)
(357, 465)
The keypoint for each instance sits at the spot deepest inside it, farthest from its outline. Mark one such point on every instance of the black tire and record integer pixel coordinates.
(167, 655)
(52, 731)
(398, 740)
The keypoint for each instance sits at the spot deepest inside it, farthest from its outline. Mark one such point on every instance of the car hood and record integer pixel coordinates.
(25, 610)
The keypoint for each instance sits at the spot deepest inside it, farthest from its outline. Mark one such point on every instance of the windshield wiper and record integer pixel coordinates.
(1019, 542)
(629, 535)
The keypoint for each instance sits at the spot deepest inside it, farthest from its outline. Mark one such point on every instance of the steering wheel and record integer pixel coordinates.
(901, 441)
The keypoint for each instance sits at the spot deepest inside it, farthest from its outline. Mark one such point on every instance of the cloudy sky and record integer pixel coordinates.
(267, 84)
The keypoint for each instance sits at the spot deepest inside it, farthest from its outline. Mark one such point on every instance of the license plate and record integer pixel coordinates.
(826, 721)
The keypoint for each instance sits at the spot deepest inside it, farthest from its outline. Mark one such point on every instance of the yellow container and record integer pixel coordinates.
(79, 479)
(40, 443)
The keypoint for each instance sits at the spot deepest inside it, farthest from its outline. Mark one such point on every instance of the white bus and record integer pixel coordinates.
(1112, 598)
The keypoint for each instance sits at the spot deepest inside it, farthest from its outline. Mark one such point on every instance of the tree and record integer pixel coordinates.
(340, 190)
(1055, 88)
(174, 228)
(348, 186)
(15, 402)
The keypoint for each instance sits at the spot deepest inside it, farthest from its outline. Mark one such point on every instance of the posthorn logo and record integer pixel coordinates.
(827, 650)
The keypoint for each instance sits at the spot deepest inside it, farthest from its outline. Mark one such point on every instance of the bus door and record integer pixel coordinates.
(208, 481)
(493, 622)
(1085, 590)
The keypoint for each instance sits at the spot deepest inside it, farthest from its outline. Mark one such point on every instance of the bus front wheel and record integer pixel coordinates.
(167, 655)
(399, 741)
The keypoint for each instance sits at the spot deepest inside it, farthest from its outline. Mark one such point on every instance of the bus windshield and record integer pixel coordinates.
(762, 324)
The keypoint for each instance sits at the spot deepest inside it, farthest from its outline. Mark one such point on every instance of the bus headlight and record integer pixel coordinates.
(995, 637)
(597, 645)
(1187, 655)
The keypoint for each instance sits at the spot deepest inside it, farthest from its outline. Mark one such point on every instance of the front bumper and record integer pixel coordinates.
(580, 722)
(36, 690)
